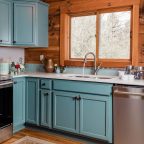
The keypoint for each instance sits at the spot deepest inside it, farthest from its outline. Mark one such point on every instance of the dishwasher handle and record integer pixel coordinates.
(127, 93)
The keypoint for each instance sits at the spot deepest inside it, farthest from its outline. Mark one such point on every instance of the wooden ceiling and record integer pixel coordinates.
(141, 4)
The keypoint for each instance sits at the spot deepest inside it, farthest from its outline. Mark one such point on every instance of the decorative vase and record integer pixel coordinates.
(49, 66)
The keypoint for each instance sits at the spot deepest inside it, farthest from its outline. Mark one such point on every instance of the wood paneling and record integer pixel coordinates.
(141, 44)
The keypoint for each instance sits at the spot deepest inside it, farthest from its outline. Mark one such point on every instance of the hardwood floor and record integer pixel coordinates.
(49, 136)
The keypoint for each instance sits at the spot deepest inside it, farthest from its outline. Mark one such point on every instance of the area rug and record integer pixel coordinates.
(31, 140)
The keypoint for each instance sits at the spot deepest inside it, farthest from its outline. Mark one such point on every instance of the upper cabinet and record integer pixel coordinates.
(5, 22)
(29, 22)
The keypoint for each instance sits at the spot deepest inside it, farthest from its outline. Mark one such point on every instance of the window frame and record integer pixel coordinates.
(65, 48)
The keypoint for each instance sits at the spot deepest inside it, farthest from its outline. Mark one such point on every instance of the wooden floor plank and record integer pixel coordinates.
(41, 135)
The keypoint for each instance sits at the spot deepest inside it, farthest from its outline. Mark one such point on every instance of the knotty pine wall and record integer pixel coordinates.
(53, 51)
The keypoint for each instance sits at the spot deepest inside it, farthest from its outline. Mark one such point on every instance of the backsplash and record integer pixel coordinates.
(77, 70)
(11, 54)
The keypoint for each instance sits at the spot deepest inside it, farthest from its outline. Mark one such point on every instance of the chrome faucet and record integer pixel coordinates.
(85, 61)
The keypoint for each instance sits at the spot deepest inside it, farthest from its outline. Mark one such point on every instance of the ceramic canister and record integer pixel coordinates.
(4, 68)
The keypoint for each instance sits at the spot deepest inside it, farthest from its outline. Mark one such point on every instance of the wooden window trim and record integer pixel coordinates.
(64, 41)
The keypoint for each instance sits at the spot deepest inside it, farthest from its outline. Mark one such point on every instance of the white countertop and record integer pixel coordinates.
(93, 78)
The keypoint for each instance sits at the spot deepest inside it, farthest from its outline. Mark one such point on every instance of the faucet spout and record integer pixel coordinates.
(85, 60)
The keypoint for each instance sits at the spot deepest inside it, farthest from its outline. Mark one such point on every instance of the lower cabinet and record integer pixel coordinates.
(18, 104)
(55, 104)
(86, 114)
(32, 101)
(96, 116)
(46, 108)
(65, 111)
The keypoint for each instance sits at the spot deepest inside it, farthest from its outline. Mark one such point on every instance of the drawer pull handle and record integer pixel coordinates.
(46, 94)
(15, 82)
(78, 98)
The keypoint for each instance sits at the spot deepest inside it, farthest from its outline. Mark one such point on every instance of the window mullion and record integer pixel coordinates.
(97, 35)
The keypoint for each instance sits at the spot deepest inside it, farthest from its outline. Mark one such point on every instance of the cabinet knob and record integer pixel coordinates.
(46, 94)
(0, 40)
(74, 98)
(14, 41)
(43, 84)
(77, 98)
(15, 82)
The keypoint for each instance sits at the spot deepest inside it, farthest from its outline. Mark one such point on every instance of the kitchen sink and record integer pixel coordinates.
(89, 76)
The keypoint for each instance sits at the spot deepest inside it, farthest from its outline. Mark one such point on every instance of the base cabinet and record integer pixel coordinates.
(65, 111)
(96, 116)
(18, 104)
(32, 101)
(84, 108)
(45, 108)
(54, 104)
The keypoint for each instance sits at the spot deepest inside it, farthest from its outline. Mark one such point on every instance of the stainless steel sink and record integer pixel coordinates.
(89, 76)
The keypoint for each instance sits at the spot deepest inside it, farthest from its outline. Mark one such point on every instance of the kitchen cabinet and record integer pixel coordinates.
(30, 23)
(65, 111)
(46, 103)
(96, 116)
(83, 107)
(5, 22)
(32, 101)
(23, 23)
(45, 109)
(18, 104)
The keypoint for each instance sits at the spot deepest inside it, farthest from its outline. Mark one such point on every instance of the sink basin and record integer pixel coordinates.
(89, 76)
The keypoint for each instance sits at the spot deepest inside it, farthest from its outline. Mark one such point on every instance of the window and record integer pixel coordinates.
(83, 36)
(112, 34)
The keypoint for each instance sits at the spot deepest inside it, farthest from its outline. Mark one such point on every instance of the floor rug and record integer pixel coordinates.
(31, 140)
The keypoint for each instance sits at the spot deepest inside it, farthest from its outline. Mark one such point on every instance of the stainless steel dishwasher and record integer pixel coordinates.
(128, 114)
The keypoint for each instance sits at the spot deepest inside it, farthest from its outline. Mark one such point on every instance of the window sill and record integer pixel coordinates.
(105, 63)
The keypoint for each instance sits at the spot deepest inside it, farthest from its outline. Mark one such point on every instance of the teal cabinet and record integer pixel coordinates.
(5, 22)
(32, 101)
(18, 104)
(46, 108)
(23, 23)
(96, 116)
(84, 108)
(31, 24)
(65, 111)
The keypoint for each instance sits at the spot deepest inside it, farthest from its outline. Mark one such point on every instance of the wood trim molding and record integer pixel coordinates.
(135, 34)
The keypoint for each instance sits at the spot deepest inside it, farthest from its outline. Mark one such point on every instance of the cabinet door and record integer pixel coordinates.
(46, 110)
(24, 23)
(5, 22)
(18, 104)
(96, 116)
(65, 111)
(32, 101)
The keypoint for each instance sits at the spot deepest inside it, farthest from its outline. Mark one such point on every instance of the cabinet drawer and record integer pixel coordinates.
(45, 84)
(84, 87)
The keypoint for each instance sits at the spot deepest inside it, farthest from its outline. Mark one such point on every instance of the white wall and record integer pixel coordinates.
(11, 54)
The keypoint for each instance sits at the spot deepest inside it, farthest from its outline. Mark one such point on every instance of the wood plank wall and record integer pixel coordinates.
(53, 51)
